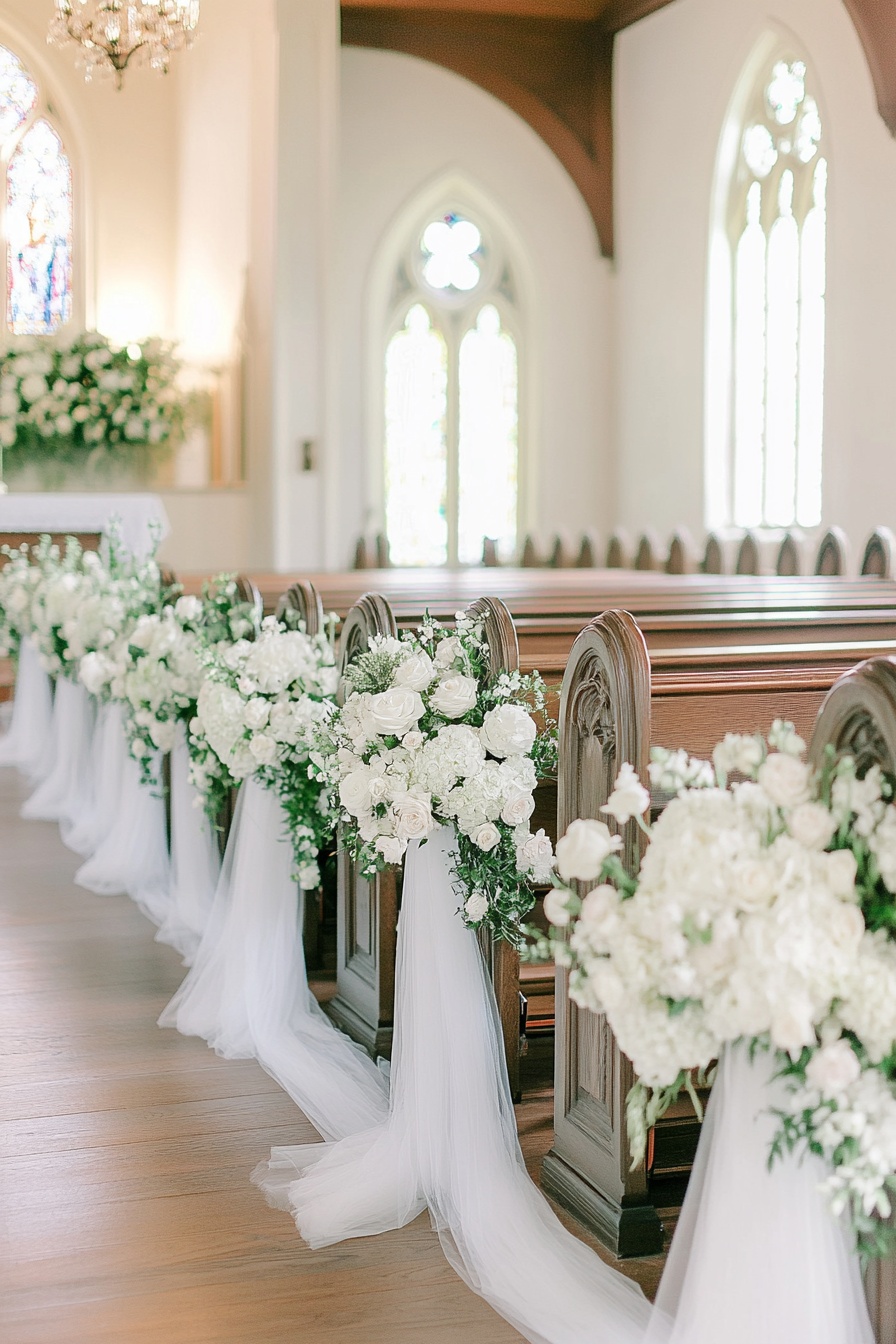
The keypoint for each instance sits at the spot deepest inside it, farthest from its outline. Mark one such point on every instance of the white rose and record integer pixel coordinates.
(487, 837)
(785, 779)
(396, 711)
(535, 855)
(448, 651)
(755, 884)
(308, 876)
(391, 848)
(476, 907)
(600, 910)
(416, 672)
(555, 911)
(841, 871)
(412, 816)
(378, 789)
(584, 848)
(508, 730)
(792, 1026)
(354, 791)
(188, 608)
(629, 797)
(811, 825)
(518, 807)
(454, 696)
(256, 714)
(412, 741)
(846, 926)
(833, 1068)
(263, 749)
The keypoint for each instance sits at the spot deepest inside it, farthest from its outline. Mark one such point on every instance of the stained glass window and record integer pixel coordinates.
(39, 233)
(776, 228)
(452, 400)
(36, 208)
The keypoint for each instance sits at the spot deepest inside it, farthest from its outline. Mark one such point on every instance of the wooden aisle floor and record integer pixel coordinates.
(126, 1212)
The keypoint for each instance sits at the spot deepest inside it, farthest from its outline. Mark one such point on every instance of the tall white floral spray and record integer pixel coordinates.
(259, 708)
(426, 737)
(763, 912)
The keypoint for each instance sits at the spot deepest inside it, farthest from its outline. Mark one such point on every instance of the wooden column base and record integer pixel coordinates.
(377, 1041)
(626, 1230)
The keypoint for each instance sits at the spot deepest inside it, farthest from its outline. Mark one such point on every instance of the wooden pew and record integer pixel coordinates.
(616, 700)
(879, 554)
(858, 717)
(367, 909)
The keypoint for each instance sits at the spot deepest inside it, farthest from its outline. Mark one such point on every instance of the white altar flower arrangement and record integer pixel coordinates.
(259, 710)
(426, 738)
(763, 912)
(163, 664)
(86, 400)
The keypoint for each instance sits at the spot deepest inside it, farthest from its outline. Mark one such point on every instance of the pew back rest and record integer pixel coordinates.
(371, 615)
(304, 599)
(858, 716)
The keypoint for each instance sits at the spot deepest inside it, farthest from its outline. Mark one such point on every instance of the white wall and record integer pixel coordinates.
(675, 76)
(405, 124)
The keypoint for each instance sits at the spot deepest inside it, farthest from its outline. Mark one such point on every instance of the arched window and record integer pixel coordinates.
(451, 396)
(770, 427)
(35, 207)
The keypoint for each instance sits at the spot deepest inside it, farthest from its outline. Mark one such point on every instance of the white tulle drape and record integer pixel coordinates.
(247, 993)
(87, 826)
(756, 1252)
(195, 859)
(450, 1142)
(26, 743)
(132, 856)
(68, 783)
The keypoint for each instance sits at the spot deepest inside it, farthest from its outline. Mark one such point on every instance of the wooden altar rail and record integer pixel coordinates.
(769, 551)
(617, 699)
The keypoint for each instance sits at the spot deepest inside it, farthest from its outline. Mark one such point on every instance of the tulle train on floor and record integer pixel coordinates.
(61, 793)
(247, 993)
(26, 743)
(195, 859)
(450, 1142)
(132, 857)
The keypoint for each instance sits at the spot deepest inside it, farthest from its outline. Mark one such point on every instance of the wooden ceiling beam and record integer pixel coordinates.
(555, 74)
(875, 22)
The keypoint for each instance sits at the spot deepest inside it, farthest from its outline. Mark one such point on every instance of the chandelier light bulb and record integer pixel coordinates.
(113, 34)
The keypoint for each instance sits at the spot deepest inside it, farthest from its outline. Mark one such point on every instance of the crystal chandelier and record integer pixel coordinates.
(112, 33)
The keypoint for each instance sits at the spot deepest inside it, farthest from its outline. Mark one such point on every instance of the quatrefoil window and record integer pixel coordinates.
(452, 247)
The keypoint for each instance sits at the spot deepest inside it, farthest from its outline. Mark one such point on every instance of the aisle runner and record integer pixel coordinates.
(247, 993)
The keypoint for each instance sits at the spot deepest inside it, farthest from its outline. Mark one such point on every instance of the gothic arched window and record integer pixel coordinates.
(774, 210)
(451, 396)
(35, 207)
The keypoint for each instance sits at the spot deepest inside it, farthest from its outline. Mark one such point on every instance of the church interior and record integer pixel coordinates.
(570, 318)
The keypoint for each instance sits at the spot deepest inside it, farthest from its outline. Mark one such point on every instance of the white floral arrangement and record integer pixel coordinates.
(259, 711)
(18, 579)
(763, 912)
(425, 738)
(86, 399)
(163, 664)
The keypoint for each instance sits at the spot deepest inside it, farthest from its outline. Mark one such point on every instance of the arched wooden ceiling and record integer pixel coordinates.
(551, 61)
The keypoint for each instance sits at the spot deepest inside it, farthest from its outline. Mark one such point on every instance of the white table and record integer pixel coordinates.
(87, 513)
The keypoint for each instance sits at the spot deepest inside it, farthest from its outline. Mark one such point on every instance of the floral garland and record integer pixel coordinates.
(87, 400)
(18, 579)
(258, 713)
(426, 737)
(763, 912)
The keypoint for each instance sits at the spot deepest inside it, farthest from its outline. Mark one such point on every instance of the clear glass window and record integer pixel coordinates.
(776, 232)
(451, 397)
